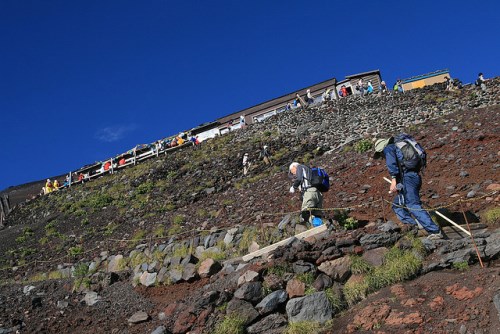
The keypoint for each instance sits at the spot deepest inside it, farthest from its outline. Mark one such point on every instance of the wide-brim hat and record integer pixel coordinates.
(379, 146)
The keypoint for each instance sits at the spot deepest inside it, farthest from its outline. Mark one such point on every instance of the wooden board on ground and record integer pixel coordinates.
(272, 247)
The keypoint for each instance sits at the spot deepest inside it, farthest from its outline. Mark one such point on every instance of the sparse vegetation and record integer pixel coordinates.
(492, 216)
(232, 324)
(363, 146)
(75, 251)
(303, 327)
(462, 266)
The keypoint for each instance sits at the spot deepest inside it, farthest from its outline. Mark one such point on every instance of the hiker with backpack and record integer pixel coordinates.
(265, 155)
(480, 82)
(405, 159)
(311, 182)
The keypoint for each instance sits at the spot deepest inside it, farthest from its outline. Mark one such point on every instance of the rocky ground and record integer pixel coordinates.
(200, 191)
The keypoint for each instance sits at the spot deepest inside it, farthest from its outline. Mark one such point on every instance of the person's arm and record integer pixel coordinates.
(392, 166)
(299, 177)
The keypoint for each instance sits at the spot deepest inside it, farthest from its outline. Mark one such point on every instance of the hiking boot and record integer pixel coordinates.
(435, 236)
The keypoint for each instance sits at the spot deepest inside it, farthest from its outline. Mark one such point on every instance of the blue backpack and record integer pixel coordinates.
(320, 179)
(414, 156)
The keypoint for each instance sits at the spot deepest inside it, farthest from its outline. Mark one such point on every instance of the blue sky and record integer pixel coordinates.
(81, 81)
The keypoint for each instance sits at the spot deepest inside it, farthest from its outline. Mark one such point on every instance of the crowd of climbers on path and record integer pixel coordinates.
(182, 138)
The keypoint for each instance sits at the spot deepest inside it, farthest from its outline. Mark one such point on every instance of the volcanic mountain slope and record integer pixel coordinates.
(202, 188)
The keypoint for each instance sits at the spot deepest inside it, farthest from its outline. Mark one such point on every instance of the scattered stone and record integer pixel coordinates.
(251, 291)
(271, 324)
(148, 279)
(248, 276)
(62, 304)
(138, 317)
(243, 309)
(338, 269)
(271, 301)
(27, 289)
(295, 288)
(208, 268)
(91, 298)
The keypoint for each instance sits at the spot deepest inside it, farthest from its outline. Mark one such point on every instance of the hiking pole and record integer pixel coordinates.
(444, 217)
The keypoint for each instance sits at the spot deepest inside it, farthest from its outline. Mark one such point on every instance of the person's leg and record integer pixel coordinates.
(399, 208)
(413, 183)
(309, 201)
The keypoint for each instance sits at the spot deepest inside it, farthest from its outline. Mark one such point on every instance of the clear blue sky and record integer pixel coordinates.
(81, 81)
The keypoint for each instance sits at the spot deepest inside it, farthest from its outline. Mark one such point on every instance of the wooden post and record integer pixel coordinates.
(2, 213)
(70, 180)
(135, 155)
(111, 163)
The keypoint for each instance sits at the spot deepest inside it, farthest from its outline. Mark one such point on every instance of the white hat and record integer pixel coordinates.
(380, 144)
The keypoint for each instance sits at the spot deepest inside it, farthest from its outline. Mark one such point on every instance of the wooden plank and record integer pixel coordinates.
(272, 247)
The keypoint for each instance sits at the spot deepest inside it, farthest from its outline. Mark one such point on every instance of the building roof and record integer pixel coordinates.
(424, 76)
(362, 74)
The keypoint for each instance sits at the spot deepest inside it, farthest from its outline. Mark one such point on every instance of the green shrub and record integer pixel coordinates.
(81, 270)
(363, 146)
(145, 188)
(492, 216)
(462, 266)
(98, 201)
(75, 251)
(232, 324)
(303, 327)
(179, 219)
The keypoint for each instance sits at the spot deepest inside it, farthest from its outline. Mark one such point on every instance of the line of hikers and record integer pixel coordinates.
(404, 158)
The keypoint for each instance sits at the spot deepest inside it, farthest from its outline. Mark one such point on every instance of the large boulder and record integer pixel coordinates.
(314, 307)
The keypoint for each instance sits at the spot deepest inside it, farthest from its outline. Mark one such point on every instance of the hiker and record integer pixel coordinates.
(406, 182)
(309, 98)
(480, 82)
(369, 88)
(242, 121)
(343, 89)
(311, 196)
(246, 164)
(265, 155)
(48, 186)
(449, 83)
(56, 185)
(383, 87)
(359, 87)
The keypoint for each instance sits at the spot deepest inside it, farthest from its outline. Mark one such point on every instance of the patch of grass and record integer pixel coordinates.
(279, 270)
(202, 213)
(55, 274)
(492, 216)
(335, 300)
(81, 270)
(75, 251)
(355, 291)
(359, 265)
(145, 187)
(138, 258)
(247, 238)
(347, 148)
(159, 231)
(179, 219)
(217, 256)
(110, 228)
(306, 278)
(98, 201)
(138, 237)
(399, 265)
(232, 324)
(362, 146)
(43, 240)
(303, 327)
(461, 266)
(181, 251)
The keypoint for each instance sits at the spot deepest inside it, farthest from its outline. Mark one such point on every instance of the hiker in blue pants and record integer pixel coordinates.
(406, 183)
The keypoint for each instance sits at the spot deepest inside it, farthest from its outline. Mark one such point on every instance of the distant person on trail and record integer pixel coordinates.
(311, 197)
(309, 98)
(344, 91)
(383, 87)
(49, 187)
(369, 88)
(265, 155)
(56, 185)
(480, 82)
(406, 183)
(242, 121)
(449, 83)
(246, 164)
